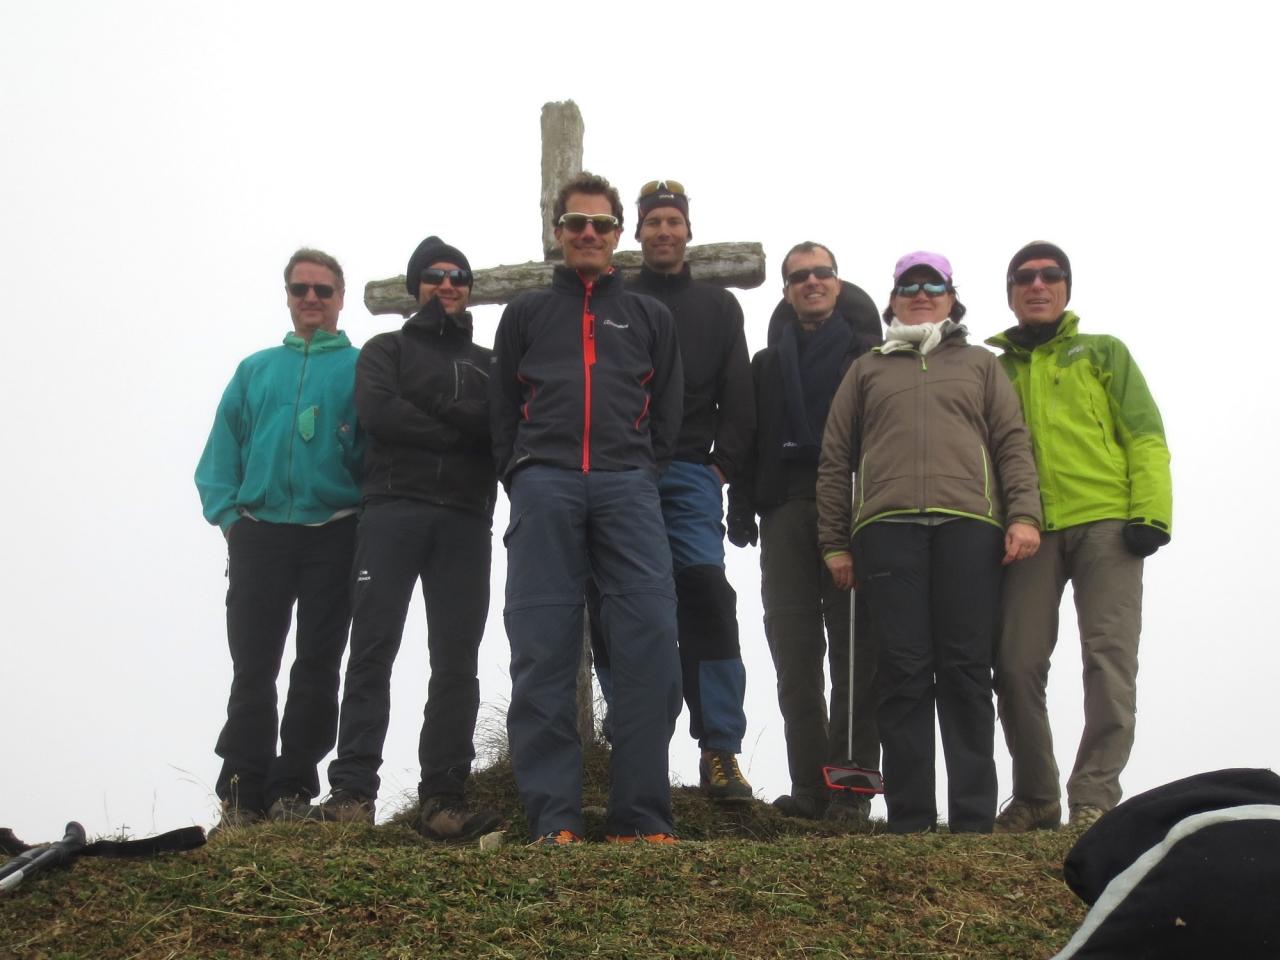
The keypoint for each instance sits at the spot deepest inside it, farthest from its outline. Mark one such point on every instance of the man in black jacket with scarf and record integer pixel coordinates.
(819, 330)
(427, 513)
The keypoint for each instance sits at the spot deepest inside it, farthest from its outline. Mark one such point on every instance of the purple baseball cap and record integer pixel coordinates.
(923, 258)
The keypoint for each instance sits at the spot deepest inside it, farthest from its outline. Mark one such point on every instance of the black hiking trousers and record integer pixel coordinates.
(934, 594)
(272, 566)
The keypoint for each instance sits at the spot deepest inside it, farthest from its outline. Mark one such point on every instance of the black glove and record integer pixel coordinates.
(1142, 539)
(743, 530)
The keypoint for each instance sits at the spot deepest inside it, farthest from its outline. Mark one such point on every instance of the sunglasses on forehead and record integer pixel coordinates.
(662, 186)
(437, 275)
(1026, 276)
(800, 276)
(323, 290)
(577, 222)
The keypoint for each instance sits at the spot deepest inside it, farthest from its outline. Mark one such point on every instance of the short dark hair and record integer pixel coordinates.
(320, 259)
(808, 246)
(592, 185)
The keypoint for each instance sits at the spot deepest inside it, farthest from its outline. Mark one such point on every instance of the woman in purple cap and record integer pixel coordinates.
(946, 492)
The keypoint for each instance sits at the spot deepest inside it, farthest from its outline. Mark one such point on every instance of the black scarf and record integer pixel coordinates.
(811, 365)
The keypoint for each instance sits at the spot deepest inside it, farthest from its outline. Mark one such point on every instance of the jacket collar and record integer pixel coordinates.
(322, 341)
(566, 280)
(660, 282)
(432, 320)
(1068, 327)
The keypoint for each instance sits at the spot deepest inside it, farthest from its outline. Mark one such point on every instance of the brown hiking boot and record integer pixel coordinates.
(235, 817)
(1023, 816)
(449, 818)
(848, 807)
(722, 780)
(346, 806)
(292, 808)
(801, 805)
(1083, 816)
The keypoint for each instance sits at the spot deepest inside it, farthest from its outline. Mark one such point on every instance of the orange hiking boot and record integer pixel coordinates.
(561, 838)
(665, 838)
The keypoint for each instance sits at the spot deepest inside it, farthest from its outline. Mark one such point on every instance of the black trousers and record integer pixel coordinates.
(272, 566)
(934, 594)
(401, 542)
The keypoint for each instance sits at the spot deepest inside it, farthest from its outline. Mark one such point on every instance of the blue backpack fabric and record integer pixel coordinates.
(1190, 869)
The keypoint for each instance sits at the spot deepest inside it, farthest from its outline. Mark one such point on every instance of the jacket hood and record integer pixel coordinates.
(1068, 326)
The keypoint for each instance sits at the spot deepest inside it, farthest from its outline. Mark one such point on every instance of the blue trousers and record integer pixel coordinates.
(713, 676)
(566, 525)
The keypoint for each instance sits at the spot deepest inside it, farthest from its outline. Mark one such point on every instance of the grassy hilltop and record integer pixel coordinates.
(745, 883)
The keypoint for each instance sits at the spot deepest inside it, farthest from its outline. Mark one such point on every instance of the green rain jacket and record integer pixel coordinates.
(1098, 437)
(285, 445)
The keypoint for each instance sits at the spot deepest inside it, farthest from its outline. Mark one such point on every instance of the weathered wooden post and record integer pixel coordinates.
(727, 264)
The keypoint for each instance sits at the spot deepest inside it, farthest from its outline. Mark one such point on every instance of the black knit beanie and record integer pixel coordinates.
(1037, 250)
(431, 250)
(663, 197)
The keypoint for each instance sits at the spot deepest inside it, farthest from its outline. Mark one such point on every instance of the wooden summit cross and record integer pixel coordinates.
(724, 264)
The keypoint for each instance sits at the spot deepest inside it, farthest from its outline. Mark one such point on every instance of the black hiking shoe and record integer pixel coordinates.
(450, 818)
(801, 805)
(848, 807)
(235, 817)
(292, 808)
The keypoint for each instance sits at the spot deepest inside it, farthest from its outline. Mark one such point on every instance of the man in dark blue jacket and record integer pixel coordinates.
(429, 489)
(712, 447)
(586, 404)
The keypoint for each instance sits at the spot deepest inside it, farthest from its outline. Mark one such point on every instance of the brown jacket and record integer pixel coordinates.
(941, 433)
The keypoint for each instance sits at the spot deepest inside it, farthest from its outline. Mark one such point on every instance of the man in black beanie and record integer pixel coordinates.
(429, 490)
(713, 443)
(1108, 503)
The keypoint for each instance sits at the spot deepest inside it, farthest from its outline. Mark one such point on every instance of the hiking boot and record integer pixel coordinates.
(1023, 816)
(346, 806)
(235, 818)
(449, 818)
(292, 808)
(722, 780)
(560, 838)
(669, 839)
(1083, 816)
(800, 805)
(848, 807)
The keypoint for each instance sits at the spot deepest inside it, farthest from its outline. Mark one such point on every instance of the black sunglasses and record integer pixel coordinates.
(323, 290)
(1026, 276)
(800, 276)
(436, 276)
(577, 222)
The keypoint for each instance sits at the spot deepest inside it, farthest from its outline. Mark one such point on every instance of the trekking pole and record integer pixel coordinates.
(31, 862)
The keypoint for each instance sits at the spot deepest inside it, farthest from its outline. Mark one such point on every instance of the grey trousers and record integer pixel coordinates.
(1107, 582)
(799, 598)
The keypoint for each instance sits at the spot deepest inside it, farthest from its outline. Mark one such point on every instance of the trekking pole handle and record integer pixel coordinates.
(32, 861)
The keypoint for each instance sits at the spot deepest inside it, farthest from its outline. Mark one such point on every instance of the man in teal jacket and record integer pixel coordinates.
(280, 475)
(1108, 503)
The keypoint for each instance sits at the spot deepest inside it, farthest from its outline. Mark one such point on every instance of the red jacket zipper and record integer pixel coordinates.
(588, 360)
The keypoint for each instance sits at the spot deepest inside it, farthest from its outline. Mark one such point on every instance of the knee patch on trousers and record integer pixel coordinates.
(707, 614)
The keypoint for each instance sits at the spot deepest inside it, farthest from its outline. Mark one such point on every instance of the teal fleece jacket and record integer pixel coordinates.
(285, 444)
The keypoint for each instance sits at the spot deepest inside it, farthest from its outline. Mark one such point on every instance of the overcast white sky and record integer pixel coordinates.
(160, 162)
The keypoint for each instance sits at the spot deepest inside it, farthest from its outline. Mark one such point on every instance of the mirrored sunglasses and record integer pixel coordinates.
(577, 222)
(436, 276)
(1026, 276)
(800, 276)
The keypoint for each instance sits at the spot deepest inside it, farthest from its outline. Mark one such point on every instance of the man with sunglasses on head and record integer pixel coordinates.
(714, 442)
(810, 348)
(586, 406)
(429, 490)
(1108, 503)
(281, 475)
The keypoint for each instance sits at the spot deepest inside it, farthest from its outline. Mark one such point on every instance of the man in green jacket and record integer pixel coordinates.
(1108, 503)
(280, 475)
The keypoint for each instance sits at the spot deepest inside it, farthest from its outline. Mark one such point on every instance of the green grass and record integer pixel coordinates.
(744, 883)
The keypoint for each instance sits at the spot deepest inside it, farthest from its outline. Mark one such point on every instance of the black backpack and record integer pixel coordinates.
(1187, 870)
